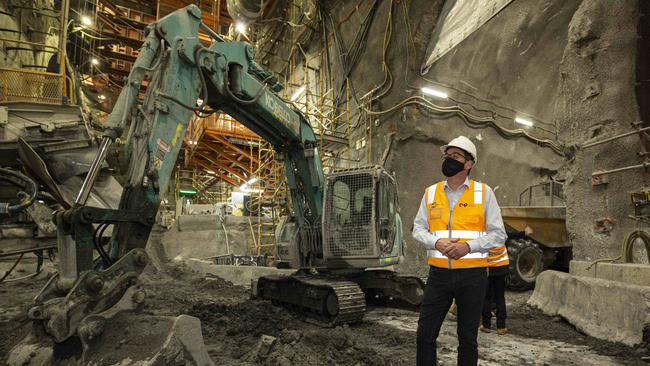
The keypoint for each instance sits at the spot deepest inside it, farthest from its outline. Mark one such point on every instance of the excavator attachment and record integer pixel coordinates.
(99, 322)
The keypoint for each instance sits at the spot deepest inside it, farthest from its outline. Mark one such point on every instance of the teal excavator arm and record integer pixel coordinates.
(180, 71)
(228, 79)
(223, 75)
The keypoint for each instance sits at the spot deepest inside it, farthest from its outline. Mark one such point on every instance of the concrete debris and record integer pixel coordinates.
(237, 275)
(265, 346)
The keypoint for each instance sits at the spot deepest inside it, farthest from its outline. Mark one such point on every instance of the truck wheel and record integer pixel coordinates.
(525, 264)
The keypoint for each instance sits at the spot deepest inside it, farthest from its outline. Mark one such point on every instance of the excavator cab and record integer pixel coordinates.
(361, 223)
(361, 226)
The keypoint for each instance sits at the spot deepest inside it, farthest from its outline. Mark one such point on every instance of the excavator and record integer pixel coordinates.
(343, 232)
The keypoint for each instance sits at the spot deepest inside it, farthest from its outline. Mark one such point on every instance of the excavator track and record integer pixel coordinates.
(331, 301)
(389, 288)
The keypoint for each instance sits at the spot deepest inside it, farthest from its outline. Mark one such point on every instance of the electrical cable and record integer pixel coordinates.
(28, 197)
(97, 38)
(39, 269)
(626, 248)
(470, 119)
(628, 244)
(12, 268)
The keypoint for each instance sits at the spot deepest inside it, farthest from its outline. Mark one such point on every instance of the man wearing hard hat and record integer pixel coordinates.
(458, 222)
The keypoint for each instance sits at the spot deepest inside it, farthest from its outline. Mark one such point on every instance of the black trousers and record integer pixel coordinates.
(467, 286)
(495, 294)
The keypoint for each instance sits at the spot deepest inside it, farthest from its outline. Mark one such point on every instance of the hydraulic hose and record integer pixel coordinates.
(28, 195)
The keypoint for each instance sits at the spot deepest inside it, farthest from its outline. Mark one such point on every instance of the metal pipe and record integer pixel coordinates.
(216, 36)
(63, 39)
(29, 43)
(31, 110)
(631, 167)
(615, 137)
(89, 182)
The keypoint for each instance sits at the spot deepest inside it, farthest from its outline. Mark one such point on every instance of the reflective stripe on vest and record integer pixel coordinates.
(498, 257)
(467, 223)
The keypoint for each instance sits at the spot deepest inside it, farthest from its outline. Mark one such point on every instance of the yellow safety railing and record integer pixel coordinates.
(20, 85)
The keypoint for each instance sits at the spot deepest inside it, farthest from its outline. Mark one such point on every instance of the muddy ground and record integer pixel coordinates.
(233, 324)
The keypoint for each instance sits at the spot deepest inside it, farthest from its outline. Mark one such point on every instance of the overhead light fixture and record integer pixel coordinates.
(297, 93)
(210, 172)
(187, 191)
(252, 190)
(94, 61)
(85, 20)
(523, 121)
(251, 181)
(240, 27)
(101, 97)
(434, 92)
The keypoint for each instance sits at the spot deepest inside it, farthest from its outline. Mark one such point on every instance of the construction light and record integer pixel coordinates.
(240, 27)
(187, 191)
(297, 93)
(251, 181)
(523, 121)
(85, 20)
(101, 97)
(434, 92)
(210, 172)
(94, 61)
(252, 190)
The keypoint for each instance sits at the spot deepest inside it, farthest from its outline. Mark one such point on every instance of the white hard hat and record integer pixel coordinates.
(464, 143)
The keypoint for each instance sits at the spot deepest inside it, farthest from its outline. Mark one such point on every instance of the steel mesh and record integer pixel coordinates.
(349, 220)
(26, 86)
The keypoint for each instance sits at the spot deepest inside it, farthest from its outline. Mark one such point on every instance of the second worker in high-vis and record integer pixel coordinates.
(458, 222)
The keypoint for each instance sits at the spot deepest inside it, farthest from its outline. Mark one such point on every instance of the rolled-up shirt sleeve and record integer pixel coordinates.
(421, 227)
(496, 233)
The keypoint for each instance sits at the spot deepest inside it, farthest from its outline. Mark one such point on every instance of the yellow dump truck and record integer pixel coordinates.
(548, 246)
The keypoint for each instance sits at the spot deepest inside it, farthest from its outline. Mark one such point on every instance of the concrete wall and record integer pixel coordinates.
(202, 236)
(629, 273)
(614, 311)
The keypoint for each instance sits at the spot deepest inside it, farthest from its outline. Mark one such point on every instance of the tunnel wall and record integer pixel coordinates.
(569, 66)
(597, 99)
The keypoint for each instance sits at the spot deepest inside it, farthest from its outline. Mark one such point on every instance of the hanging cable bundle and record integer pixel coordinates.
(27, 195)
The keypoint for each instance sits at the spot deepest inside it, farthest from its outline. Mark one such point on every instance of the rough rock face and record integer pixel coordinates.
(596, 99)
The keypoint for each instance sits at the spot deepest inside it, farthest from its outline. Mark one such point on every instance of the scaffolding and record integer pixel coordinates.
(222, 151)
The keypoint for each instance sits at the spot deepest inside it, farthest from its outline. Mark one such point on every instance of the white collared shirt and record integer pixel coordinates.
(496, 232)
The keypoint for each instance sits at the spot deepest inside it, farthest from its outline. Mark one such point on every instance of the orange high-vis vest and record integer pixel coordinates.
(498, 257)
(465, 222)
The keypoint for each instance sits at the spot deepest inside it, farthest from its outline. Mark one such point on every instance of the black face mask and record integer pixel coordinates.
(451, 167)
